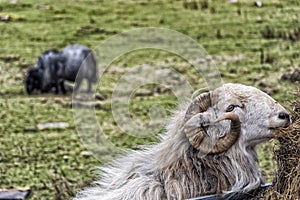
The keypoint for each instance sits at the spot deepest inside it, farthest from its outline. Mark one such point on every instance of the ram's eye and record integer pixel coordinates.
(230, 108)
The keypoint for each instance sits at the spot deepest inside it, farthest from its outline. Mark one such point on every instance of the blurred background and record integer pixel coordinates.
(251, 42)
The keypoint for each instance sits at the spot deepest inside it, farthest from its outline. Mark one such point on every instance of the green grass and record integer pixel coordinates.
(54, 164)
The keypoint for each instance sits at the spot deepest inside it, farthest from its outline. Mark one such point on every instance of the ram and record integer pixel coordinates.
(209, 148)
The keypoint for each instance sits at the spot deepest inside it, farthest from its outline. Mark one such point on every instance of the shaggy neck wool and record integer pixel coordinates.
(194, 175)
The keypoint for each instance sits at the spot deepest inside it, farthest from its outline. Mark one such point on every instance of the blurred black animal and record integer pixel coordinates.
(74, 62)
(34, 79)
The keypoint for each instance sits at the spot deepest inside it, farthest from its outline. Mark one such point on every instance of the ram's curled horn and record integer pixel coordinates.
(196, 134)
(193, 127)
(230, 138)
(199, 105)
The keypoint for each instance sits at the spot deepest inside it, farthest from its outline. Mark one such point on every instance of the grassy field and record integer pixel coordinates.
(250, 45)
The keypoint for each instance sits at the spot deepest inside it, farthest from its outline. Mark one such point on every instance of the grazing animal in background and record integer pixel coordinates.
(209, 148)
(54, 67)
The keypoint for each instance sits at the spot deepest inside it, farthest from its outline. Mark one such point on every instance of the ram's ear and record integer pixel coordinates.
(228, 139)
(199, 120)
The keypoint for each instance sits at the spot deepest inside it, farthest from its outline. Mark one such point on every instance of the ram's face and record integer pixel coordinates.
(33, 80)
(233, 113)
(259, 114)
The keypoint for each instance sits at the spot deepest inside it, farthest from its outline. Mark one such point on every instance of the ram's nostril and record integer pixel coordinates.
(283, 115)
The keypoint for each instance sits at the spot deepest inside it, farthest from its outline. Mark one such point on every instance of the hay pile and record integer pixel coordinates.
(286, 184)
